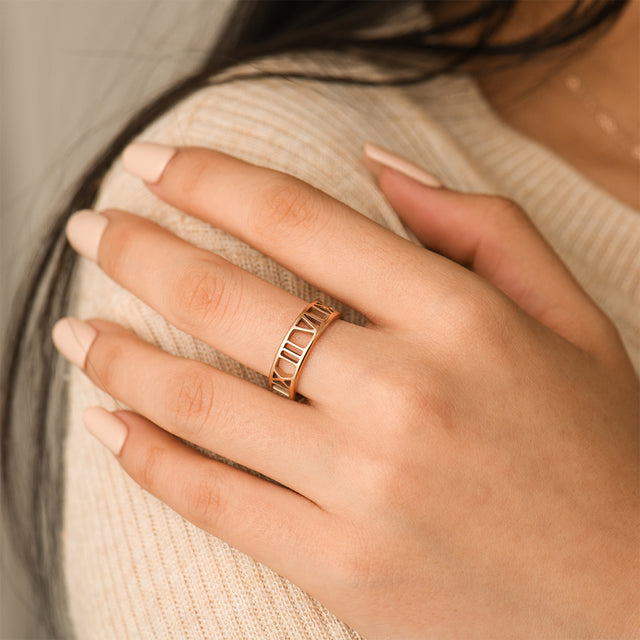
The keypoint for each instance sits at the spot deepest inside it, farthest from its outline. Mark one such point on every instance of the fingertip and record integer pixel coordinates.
(147, 160)
(73, 339)
(107, 428)
(84, 231)
(376, 158)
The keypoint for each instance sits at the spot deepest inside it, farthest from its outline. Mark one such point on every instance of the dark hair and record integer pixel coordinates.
(32, 384)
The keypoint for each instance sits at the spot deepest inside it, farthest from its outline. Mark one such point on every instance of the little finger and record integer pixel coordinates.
(277, 527)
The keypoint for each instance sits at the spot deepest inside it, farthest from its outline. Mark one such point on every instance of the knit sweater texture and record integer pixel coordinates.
(133, 567)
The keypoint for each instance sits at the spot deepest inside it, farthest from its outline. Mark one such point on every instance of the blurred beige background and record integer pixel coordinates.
(71, 72)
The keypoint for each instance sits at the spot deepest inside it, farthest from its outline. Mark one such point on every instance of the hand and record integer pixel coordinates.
(466, 465)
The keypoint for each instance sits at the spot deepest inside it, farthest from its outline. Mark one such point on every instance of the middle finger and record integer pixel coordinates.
(325, 242)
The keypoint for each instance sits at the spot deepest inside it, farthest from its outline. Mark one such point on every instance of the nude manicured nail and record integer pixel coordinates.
(375, 158)
(84, 230)
(147, 160)
(73, 338)
(106, 428)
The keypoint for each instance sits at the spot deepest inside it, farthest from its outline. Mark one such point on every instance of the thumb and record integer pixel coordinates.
(494, 238)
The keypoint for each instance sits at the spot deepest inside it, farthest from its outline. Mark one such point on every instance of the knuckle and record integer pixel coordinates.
(104, 362)
(117, 243)
(151, 463)
(205, 502)
(380, 480)
(401, 394)
(505, 212)
(191, 400)
(504, 207)
(192, 177)
(474, 311)
(287, 211)
(476, 318)
(199, 294)
(412, 400)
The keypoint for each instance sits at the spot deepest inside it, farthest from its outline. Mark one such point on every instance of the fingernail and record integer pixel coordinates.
(73, 338)
(106, 428)
(147, 160)
(84, 230)
(375, 158)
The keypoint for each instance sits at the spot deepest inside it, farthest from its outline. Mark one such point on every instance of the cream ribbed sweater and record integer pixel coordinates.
(135, 569)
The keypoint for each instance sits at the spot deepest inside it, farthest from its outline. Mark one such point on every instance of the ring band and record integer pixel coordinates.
(297, 344)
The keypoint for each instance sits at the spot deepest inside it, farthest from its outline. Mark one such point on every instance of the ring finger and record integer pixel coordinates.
(205, 295)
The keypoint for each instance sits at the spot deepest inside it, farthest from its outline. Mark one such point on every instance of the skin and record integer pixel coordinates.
(485, 472)
(532, 97)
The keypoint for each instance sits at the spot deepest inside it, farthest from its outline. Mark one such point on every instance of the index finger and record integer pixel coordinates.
(322, 240)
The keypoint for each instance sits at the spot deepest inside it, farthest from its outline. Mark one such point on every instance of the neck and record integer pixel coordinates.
(609, 66)
(533, 97)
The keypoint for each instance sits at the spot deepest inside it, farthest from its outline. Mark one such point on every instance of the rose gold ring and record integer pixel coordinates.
(296, 346)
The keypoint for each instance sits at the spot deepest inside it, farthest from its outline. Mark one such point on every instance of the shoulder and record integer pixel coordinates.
(268, 114)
